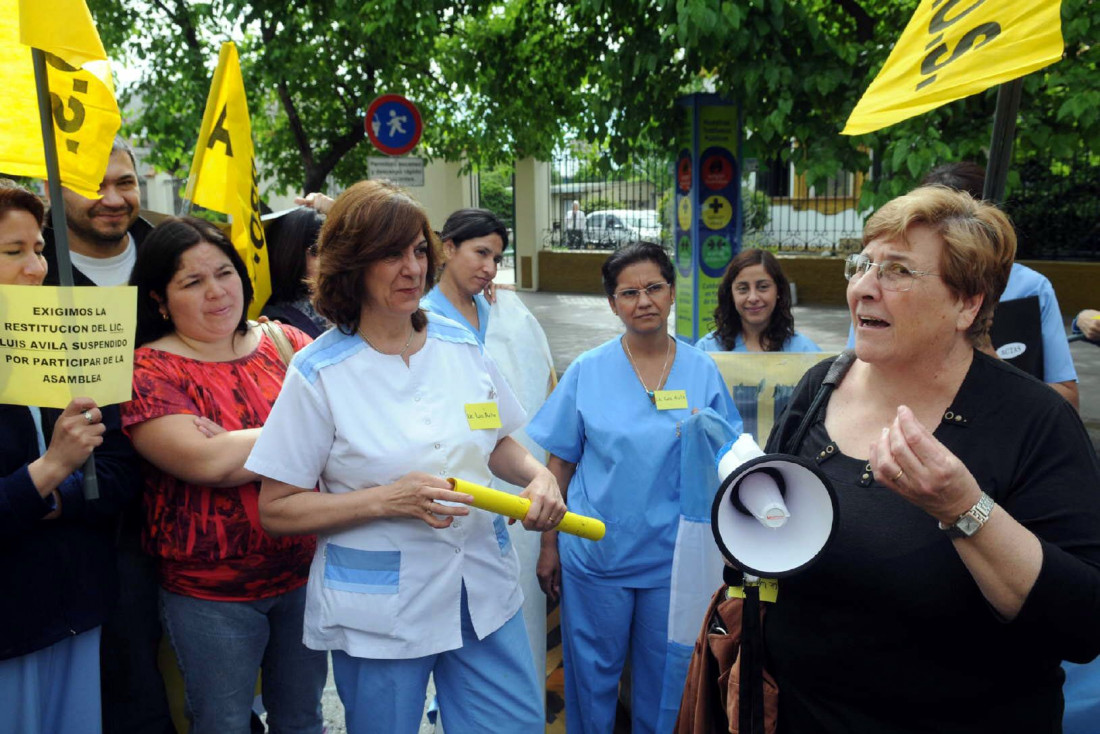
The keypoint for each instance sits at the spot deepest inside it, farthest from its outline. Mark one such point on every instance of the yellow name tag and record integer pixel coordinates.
(670, 399)
(482, 416)
(769, 590)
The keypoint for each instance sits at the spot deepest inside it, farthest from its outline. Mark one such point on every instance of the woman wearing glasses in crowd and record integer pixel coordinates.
(612, 427)
(966, 564)
(754, 309)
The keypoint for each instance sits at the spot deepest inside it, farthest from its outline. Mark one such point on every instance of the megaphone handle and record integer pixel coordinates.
(751, 687)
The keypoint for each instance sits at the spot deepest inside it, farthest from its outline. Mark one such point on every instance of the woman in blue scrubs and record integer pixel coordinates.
(473, 245)
(754, 309)
(612, 427)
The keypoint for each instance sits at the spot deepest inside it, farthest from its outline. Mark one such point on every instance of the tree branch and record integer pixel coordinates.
(865, 24)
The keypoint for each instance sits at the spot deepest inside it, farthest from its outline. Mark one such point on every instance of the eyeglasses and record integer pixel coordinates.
(892, 276)
(631, 295)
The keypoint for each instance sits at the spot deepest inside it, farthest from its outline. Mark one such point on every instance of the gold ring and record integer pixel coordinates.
(898, 476)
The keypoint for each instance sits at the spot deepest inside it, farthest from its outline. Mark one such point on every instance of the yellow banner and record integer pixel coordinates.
(954, 48)
(85, 113)
(58, 343)
(761, 383)
(223, 171)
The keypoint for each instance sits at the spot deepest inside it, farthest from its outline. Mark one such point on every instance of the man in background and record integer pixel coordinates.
(104, 235)
(574, 227)
(1010, 321)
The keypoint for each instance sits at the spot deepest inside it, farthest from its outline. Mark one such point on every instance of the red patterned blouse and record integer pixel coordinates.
(209, 539)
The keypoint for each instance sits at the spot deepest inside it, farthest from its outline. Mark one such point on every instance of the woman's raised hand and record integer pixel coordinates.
(315, 201)
(420, 495)
(908, 459)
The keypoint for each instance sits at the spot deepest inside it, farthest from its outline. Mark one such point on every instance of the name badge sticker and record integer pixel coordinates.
(483, 416)
(671, 399)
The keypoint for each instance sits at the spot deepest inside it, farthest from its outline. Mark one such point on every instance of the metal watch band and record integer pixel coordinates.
(972, 520)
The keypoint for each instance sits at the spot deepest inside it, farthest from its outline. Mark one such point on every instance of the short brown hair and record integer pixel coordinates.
(979, 243)
(14, 197)
(368, 222)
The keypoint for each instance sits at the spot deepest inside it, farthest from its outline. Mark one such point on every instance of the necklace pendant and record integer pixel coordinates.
(652, 397)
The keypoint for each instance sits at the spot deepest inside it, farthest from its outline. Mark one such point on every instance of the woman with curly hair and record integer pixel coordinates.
(754, 309)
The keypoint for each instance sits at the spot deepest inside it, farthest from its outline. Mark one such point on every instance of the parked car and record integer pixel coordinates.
(613, 228)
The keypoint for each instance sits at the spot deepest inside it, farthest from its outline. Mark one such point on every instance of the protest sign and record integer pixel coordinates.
(57, 343)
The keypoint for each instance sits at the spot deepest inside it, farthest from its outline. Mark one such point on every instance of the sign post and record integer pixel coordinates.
(707, 227)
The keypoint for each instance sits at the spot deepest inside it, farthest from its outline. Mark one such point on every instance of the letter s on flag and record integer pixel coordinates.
(954, 48)
(85, 112)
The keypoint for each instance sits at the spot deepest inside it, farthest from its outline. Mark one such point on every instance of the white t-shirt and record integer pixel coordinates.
(351, 418)
(108, 270)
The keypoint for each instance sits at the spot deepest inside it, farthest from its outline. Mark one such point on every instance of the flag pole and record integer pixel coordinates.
(57, 215)
(1004, 135)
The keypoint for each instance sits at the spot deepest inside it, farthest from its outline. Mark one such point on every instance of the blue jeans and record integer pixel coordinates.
(222, 645)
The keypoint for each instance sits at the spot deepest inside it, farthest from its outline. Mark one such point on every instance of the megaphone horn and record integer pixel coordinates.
(774, 513)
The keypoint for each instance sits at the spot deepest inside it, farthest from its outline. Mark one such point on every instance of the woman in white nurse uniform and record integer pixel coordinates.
(407, 580)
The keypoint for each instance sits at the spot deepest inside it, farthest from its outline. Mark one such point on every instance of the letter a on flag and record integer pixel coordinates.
(85, 114)
(954, 48)
(223, 171)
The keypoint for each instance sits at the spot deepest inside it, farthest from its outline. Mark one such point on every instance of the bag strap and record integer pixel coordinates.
(832, 378)
(282, 342)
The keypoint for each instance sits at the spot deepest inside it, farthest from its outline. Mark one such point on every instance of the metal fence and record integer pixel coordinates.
(614, 204)
(1055, 205)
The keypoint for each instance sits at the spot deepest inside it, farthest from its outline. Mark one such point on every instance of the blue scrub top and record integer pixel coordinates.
(628, 458)
(796, 343)
(1057, 360)
(436, 302)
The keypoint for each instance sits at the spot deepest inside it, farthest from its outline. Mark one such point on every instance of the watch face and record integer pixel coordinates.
(967, 525)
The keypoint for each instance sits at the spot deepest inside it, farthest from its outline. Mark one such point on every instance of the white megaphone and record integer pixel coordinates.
(774, 513)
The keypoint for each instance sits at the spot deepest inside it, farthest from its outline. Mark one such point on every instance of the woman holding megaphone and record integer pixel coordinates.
(966, 564)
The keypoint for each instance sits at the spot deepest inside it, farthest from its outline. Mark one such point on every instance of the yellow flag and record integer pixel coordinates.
(954, 48)
(223, 171)
(85, 113)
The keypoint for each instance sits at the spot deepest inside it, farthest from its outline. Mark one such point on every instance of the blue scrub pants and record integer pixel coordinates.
(484, 686)
(598, 624)
(55, 689)
(1082, 692)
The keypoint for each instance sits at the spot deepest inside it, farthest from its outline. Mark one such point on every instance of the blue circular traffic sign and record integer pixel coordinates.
(393, 124)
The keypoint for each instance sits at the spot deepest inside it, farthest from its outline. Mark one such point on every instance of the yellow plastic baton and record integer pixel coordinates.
(510, 505)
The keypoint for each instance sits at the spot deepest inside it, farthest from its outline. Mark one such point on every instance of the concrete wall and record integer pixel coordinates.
(532, 217)
(820, 280)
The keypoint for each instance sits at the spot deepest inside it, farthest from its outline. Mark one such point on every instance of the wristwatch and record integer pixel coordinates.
(970, 521)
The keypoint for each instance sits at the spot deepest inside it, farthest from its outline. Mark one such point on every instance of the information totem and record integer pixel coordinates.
(707, 219)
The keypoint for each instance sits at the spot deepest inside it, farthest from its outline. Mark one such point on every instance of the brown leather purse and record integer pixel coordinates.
(711, 702)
